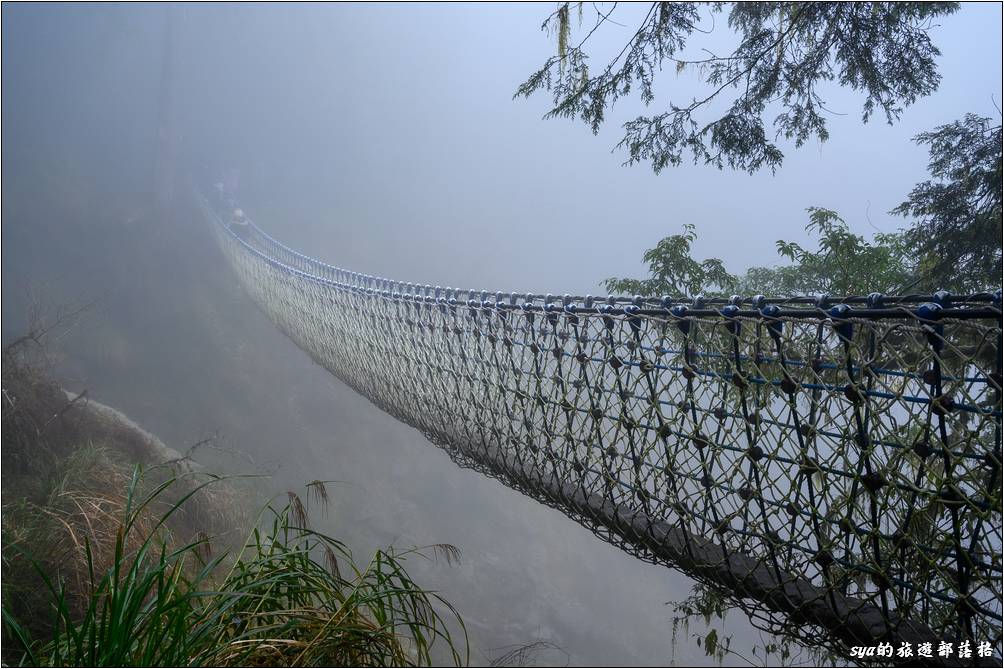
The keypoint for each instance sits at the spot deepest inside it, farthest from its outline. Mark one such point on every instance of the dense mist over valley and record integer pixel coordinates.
(384, 139)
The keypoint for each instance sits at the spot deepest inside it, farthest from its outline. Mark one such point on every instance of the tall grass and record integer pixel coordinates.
(288, 596)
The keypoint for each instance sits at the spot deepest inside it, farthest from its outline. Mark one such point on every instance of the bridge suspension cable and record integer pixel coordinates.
(834, 463)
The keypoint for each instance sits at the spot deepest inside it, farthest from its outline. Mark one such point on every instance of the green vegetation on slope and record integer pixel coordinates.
(112, 564)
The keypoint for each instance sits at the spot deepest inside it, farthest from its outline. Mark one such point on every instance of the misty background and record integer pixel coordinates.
(384, 139)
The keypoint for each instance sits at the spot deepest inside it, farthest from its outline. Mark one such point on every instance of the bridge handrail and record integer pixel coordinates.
(874, 301)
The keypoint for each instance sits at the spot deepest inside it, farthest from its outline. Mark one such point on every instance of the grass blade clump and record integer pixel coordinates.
(289, 596)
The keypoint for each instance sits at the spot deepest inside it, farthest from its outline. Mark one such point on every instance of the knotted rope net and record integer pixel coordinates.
(835, 464)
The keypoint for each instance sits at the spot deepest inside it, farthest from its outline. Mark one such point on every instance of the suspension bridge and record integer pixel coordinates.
(833, 463)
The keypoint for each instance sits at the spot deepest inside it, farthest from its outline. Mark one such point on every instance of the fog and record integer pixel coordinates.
(384, 139)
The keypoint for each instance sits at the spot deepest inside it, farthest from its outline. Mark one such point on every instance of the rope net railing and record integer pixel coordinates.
(834, 463)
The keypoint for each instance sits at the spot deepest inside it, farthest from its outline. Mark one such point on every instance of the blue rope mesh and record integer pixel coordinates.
(834, 463)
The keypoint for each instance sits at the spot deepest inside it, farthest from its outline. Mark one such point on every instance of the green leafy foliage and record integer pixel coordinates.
(955, 243)
(710, 603)
(843, 264)
(957, 234)
(675, 272)
(786, 53)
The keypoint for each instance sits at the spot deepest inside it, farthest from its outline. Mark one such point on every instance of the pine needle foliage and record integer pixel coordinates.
(772, 83)
(957, 212)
